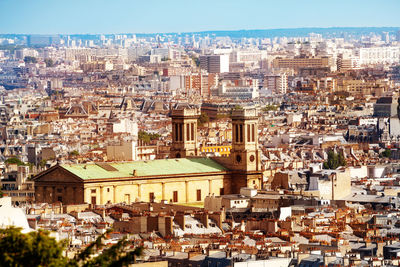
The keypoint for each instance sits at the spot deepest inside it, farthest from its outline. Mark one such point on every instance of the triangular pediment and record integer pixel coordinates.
(57, 174)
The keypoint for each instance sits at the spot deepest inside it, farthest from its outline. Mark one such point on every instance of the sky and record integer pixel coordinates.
(157, 16)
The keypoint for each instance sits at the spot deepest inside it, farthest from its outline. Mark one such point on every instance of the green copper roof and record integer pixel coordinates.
(144, 168)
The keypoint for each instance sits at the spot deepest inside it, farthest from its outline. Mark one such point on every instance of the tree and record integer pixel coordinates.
(203, 119)
(43, 163)
(14, 160)
(334, 161)
(196, 61)
(387, 153)
(49, 62)
(32, 249)
(29, 59)
(39, 249)
(147, 137)
(116, 255)
(74, 153)
(270, 108)
(238, 107)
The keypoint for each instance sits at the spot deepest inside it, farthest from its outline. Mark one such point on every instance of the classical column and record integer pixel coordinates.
(163, 191)
(101, 195)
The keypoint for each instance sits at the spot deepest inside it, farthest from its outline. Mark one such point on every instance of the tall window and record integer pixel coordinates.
(253, 134)
(241, 133)
(248, 133)
(198, 195)
(192, 131)
(180, 131)
(175, 196)
(176, 132)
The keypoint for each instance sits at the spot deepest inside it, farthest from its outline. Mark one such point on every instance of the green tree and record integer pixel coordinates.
(387, 153)
(238, 107)
(270, 108)
(42, 163)
(116, 255)
(49, 62)
(147, 137)
(14, 160)
(203, 118)
(39, 249)
(196, 61)
(74, 153)
(32, 249)
(335, 160)
(29, 59)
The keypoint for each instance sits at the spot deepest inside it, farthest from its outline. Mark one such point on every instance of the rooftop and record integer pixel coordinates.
(144, 168)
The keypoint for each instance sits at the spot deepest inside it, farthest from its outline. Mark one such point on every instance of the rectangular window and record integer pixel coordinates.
(151, 196)
(93, 191)
(176, 132)
(59, 199)
(180, 131)
(94, 200)
(253, 134)
(198, 195)
(237, 133)
(248, 133)
(241, 133)
(221, 191)
(59, 190)
(175, 196)
(188, 138)
(192, 132)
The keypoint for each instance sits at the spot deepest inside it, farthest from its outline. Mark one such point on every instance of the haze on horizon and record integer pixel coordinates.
(127, 16)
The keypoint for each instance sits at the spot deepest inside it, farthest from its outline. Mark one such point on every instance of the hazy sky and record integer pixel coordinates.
(147, 16)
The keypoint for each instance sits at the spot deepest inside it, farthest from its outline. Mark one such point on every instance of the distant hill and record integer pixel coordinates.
(292, 32)
(262, 33)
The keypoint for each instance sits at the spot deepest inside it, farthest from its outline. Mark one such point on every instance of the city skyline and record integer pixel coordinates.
(91, 17)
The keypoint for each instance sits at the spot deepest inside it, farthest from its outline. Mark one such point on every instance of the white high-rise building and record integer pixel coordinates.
(379, 55)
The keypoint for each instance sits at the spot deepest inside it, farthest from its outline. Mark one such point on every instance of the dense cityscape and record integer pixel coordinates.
(214, 148)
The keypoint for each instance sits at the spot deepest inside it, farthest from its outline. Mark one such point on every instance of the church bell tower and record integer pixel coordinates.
(184, 132)
(245, 155)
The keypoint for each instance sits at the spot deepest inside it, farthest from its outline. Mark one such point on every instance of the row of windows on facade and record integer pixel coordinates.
(151, 195)
(238, 133)
(178, 131)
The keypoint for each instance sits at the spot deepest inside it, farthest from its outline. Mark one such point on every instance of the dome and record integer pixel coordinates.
(10, 216)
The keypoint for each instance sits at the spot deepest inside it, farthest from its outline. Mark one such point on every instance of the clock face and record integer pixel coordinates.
(252, 158)
(238, 158)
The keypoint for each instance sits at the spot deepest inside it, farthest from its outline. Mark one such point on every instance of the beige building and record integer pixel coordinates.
(185, 178)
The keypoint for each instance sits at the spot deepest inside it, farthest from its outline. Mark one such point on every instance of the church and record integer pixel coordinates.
(182, 178)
